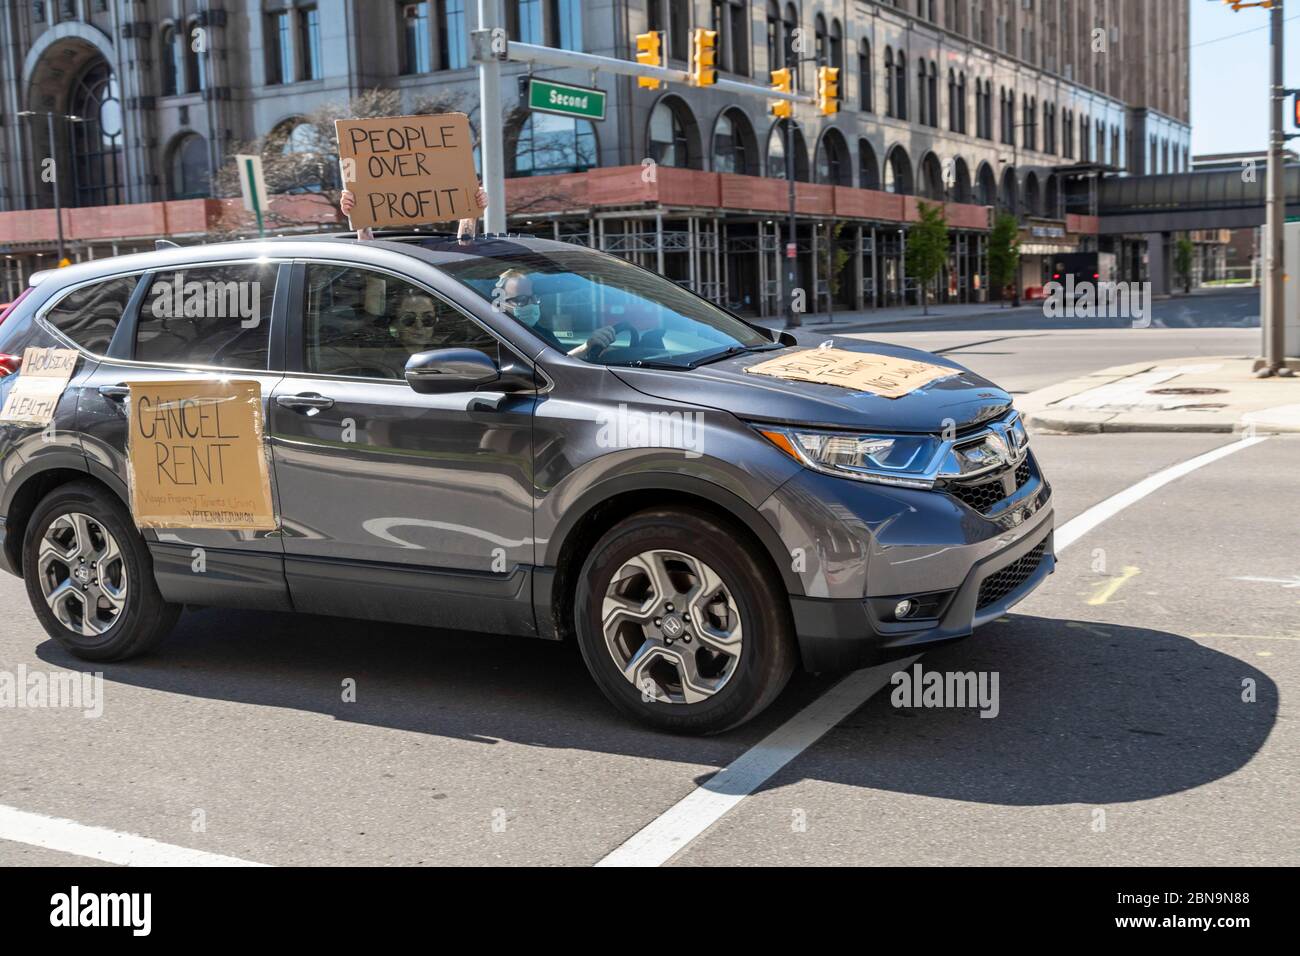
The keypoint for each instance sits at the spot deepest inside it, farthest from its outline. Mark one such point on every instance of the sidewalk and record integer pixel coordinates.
(1217, 394)
(852, 321)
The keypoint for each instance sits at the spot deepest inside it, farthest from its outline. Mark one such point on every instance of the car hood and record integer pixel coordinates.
(963, 400)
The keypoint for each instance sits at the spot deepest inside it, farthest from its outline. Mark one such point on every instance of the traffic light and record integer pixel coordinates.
(828, 89)
(782, 82)
(649, 52)
(703, 56)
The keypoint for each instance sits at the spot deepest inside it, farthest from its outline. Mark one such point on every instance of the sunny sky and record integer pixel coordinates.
(1230, 75)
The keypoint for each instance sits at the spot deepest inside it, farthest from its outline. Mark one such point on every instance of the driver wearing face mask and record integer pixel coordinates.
(514, 294)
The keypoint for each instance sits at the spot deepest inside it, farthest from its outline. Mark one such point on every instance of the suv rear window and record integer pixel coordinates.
(208, 315)
(90, 315)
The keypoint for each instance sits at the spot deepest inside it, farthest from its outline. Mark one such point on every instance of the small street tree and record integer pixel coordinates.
(1004, 251)
(927, 248)
(1183, 253)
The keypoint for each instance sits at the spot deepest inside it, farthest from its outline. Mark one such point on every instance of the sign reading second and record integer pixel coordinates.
(408, 170)
(547, 96)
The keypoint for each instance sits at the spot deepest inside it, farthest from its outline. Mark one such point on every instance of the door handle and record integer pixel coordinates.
(114, 393)
(305, 401)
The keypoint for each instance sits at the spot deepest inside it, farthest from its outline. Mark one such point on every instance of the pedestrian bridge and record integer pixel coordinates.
(1173, 202)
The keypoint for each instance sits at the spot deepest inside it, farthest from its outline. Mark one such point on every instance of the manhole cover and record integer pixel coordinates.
(1186, 391)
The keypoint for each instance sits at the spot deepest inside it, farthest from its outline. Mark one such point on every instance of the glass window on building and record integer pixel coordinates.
(416, 43)
(453, 35)
(169, 55)
(188, 168)
(549, 144)
(669, 145)
(310, 66)
(279, 47)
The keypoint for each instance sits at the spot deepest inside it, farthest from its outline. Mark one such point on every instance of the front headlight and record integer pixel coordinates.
(887, 459)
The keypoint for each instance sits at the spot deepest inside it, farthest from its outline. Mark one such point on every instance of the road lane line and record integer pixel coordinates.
(680, 824)
(1081, 524)
(125, 849)
(705, 805)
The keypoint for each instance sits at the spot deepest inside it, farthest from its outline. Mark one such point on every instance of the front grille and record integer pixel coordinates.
(1001, 583)
(986, 495)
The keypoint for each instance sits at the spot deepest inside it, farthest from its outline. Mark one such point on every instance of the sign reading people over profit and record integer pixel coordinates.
(196, 455)
(35, 395)
(408, 170)
(885, 375)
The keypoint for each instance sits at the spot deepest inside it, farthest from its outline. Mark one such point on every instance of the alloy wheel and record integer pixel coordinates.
(672, 627)
(82, 574)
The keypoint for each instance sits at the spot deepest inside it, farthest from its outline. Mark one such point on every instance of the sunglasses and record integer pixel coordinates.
(517, 300)
(407, 320)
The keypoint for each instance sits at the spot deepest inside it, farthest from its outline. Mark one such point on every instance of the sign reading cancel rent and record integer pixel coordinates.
(408, 170)
(196, 455)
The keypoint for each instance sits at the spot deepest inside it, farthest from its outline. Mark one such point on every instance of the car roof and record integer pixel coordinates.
(433, 248)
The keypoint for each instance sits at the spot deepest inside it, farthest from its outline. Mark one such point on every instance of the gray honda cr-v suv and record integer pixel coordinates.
(520, 436)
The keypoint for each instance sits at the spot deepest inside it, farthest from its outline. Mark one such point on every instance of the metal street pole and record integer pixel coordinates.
(58, 208)
(491, 139)
(792, 320)
(1275, 295)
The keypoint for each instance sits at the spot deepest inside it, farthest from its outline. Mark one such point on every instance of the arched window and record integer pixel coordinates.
(952, 101)
(900, 91)
(822, 41)
(959, 188)
(833, 160)
(775, 46)
(673, 136)
(196, 64)
(734, 147)
(898, 172)
(933, 91)
(1032, 198)
(776, 154)
(922, 98)
(961, 102)
(790, 24)
(890, 107)
(546, 144)
(97, 139)
(188, 168)
(865, 82)
(837, 55)
(868, 171)
(931, 178)
(986, 186)
(169, 58)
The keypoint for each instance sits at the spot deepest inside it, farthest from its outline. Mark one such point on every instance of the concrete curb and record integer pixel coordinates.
(1243, 409)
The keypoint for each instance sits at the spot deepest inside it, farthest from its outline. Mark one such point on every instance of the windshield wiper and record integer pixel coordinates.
(732, 351)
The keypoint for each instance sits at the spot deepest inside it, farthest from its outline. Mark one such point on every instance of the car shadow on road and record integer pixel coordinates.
(454, 684)
(1088, 713)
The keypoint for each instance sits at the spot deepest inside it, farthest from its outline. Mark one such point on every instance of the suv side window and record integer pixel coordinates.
(367, 324)
(90, 315)
(208, 315)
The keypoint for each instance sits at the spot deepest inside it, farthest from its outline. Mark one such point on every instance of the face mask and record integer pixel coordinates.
(529, 314)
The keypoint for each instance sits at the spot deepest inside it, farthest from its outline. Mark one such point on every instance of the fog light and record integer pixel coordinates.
(903, 608)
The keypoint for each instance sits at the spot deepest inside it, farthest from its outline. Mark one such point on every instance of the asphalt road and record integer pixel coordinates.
(1122, 736)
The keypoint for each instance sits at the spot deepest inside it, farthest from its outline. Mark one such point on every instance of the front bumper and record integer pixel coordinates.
(876, 545)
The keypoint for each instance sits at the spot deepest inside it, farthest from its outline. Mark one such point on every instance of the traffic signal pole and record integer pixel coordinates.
(491, 47)
(1275, 299)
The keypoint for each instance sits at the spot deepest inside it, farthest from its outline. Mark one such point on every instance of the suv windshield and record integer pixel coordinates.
(566, 295)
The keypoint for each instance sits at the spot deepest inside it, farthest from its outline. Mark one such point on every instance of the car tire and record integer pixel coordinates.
(616, 605)
(81, 538)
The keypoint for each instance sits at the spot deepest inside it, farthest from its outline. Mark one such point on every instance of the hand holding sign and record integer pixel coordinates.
(408, 170)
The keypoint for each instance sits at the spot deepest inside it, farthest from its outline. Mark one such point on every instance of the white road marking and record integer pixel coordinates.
(1081, 524)
(125, 849)
(702, 807)
(669, 833)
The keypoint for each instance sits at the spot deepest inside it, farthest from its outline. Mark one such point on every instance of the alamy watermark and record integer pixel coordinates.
(1098, 300)
(632, 428)
(40, 690)
(207, 299)
(934, 689)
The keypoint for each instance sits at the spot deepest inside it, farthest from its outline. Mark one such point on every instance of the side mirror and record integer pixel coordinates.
(450, 370)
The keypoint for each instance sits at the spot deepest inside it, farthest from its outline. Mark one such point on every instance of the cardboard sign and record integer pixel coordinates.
(408, 170)
(35, 395)
(885, 375)
(196, 456)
